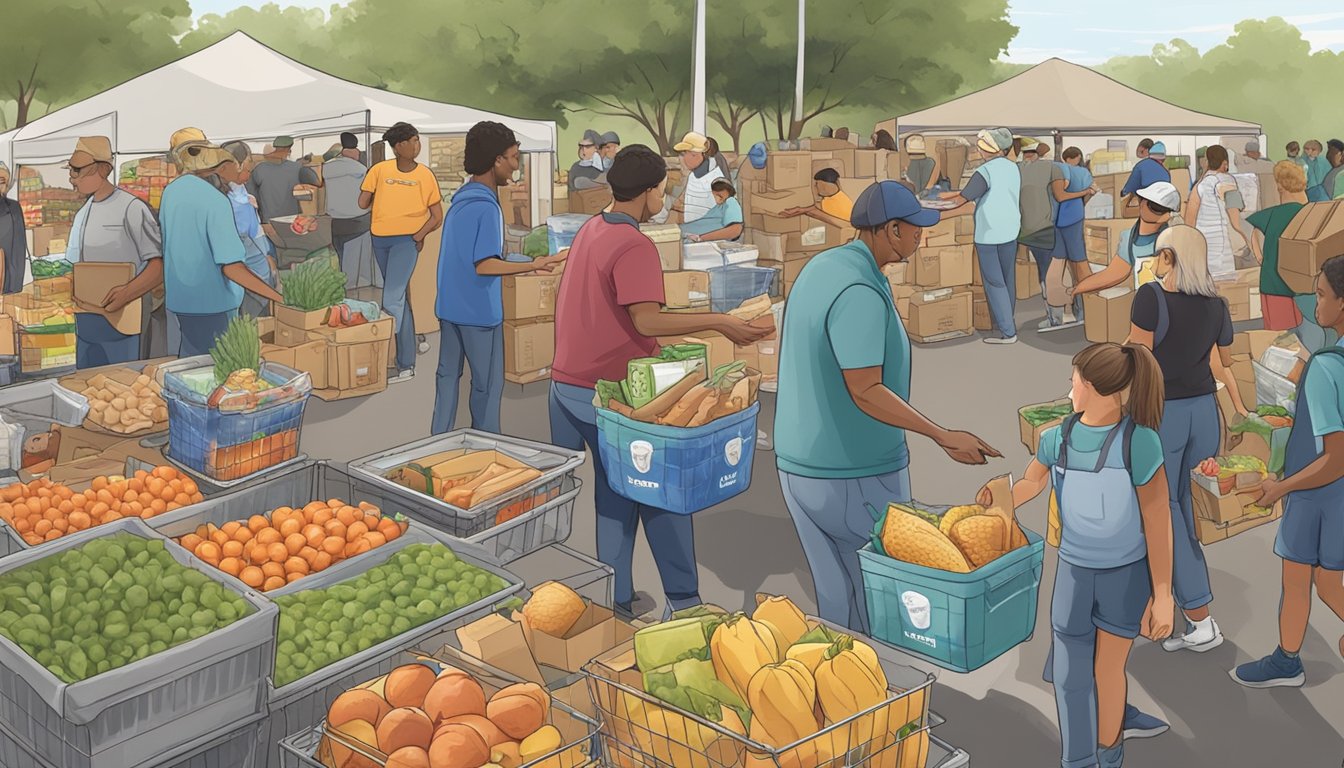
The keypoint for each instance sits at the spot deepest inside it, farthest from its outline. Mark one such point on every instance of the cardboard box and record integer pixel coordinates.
(91, 282)
(529, 346)
(77, 443)
(867, 163)
(940, 314)
(357, 369)
(500, 643)
(42, 237)
(1314, 235)
(945, 267)
(794, 268)
(823, 144)
(903, 294)
(855, 187)
(685, 289)
(789, 170)
(597, 631)
(1238, 296)
(777, 202)
(530, 377)
(378, 330)
(297, 318)
(1107, 314)
(589, 201)
(528, 296)
(310, 356)
(1210, 531)
(778, 225)
(718, 349)
(1028, 280)
(289, 336)
(1101, 237)
(1031, 435)
(8, 339)
(981, 318)
(1214, 505)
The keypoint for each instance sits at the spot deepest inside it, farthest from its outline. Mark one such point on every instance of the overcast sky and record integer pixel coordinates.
(1089, 33)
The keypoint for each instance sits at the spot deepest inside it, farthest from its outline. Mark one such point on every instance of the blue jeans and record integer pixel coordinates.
(998, 270)
(1190, 430)
(483, 349)
(97, 343)
(1042, 256)
(396, 257)
(671, 536)
(833, 525)
(1070, 244)
(198, 332)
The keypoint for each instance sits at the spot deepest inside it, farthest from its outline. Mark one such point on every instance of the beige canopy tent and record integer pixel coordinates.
(1065, 99)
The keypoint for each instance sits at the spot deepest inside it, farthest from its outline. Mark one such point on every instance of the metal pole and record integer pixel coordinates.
(698, 85)
(798, 84)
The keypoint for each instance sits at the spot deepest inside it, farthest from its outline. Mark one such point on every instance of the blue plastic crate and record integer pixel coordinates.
(731, 285)
(959, 621)
(561, 229)
(682, 470)
(196, 433)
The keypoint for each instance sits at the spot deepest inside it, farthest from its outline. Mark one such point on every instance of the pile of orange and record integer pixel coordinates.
(45, 511)
(269, 551)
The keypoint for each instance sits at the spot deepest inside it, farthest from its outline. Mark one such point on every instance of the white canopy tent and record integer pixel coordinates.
(1062, 98)
(239, 89)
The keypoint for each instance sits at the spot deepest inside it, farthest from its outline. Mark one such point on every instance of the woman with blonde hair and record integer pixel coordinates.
(1187, 325)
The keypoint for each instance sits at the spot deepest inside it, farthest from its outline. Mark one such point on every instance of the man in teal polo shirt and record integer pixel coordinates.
(845, 363)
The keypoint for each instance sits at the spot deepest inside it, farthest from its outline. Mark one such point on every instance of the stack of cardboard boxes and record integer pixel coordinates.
(342, 362)
(529, 326)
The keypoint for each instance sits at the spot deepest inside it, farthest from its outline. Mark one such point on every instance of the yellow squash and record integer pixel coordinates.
(848, 682)
(738, 649)
(782, 698)
(810, 654)
(783, 618)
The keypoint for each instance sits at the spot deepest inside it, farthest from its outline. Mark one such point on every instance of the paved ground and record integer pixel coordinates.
(1002, 714)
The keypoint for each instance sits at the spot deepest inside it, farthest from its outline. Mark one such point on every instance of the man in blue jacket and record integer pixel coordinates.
(1147, 172)
(470, 306)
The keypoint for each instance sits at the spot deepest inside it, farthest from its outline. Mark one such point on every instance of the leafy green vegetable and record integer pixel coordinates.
(314, 285)
(238, 348)
(536, 244)
(1273, 410)
(1253, 424)
(608, 391)
(1044, 414)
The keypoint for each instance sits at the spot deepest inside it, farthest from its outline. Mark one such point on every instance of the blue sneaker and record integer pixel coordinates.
(1139, 725)
(1113, 757)
(1276, 670)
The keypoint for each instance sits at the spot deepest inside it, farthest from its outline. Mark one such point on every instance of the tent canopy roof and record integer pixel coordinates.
(1057, 95)
(241, 89)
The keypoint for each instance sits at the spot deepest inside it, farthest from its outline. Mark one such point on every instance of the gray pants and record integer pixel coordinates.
(483, 350)
(833, 525)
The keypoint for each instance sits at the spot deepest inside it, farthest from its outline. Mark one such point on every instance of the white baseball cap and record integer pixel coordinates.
(1162, 193)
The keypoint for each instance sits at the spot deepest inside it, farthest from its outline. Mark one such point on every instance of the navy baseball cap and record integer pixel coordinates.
(889, 201)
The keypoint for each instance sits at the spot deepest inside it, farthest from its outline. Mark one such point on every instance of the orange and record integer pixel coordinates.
(323, 516)
(267, 536)
(52, 535)
(295, 542)
(62, 525)
(231, 527)
(321, 562)
(293, 577)
(190, 542)
(314, 535)
(111, 516)
(296, 565)
(274, 582)
(129, 495)
(183, 500)
(335, 503)
(66, 507)
(217, 537)
(290, 527)
(231, 565)
(155, 485)
(158, 505)
(272, 569)
(168, 493)
(99, 483)
(278, 552)
(22, 525)
(189, 486)
(356, 531)
(390, 529)
(99, 510)
(307, 554)
(259, 555)
(252, 577)
(232, 549)
(334, 546)
(243, 534)
(209, 552)
(79, 500)
(258, 523)
(346, 515)
(334, 528)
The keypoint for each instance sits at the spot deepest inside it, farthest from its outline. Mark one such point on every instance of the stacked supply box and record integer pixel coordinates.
(343, 363)
(529, 326)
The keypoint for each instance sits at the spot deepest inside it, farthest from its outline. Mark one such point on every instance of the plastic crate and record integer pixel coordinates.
(38, 404)
(681, 470)
(959, 621)
(547, 525)
(556, 464)
(230, 445)
(731, 285)
(238, 747)
(865, 739)
(561, 229)
(579, 732)
(131, 716)
(303, 703)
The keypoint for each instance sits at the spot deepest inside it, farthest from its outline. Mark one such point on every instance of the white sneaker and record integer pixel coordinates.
(402, 376)
(1000, 340)
(1196, 640)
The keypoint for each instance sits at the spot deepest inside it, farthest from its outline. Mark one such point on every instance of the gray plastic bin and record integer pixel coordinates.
(304, 703)
(548, 524)
(237, 747)
(39, 404)
(128, 717)
(591, 579)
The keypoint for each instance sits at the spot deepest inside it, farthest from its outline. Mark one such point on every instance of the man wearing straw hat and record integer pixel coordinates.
(205, 269)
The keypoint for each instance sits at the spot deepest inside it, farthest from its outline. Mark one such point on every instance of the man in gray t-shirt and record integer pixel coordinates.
(113, 227)
(273, 181)
(1038, 203)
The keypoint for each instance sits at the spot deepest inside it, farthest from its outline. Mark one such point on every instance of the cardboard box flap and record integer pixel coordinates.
(1312, 221)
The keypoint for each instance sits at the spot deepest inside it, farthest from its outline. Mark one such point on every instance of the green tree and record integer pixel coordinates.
(59, 50)
(303, 34)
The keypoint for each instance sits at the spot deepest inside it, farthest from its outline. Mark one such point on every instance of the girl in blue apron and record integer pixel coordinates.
(1113, 581)
(1311, 534)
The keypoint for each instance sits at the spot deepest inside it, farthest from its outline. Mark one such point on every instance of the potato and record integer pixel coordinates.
(106, 396)
(98, 406)
(129, 417)
(161, 413)
(146, 409)
(142, 380)
(111, 417)
(132, 402)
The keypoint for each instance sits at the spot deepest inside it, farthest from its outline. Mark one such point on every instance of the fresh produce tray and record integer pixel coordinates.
(238, 747)
(630, 736)
(303, 703)
(129, 716)
(580, 732)
(71, 383)
(553, 462)
(295, 488)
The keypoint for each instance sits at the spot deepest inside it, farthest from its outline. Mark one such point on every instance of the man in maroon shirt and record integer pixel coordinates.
(609, 310)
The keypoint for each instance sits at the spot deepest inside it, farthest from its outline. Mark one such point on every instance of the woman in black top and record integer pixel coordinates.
(1186, 323)
(13, 239)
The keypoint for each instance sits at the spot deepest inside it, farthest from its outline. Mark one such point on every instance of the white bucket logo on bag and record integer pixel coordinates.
(920, 612)
(641, 454)
(732, 451)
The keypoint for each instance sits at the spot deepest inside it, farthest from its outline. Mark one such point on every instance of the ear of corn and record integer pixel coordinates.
(979, 538)
(910, 538)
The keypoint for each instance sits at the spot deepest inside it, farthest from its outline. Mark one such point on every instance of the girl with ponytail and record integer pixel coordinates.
(1113, 529)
